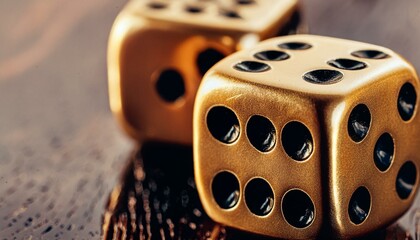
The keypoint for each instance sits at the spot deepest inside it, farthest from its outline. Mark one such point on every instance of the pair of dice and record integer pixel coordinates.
(292, 135)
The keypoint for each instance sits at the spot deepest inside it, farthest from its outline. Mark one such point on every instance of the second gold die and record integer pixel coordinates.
(159, 51)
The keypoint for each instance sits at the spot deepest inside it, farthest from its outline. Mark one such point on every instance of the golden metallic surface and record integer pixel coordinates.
(151, 36)
(338, 165)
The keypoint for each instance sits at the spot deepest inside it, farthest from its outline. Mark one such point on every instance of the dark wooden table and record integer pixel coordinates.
(61, 152)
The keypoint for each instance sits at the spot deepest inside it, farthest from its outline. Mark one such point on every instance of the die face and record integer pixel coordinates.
(361, 105)
(157, 69)
(323, 68)
(158, 53)
(379, 158)
(257, 163)
(249, 16)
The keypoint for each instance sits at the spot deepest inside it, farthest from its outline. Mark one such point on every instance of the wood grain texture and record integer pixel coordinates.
(60, 150)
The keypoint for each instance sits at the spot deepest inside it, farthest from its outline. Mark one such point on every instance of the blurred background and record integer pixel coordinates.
(61, 151)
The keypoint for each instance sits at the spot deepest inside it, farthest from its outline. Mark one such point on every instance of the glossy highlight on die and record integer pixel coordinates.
(336, 144)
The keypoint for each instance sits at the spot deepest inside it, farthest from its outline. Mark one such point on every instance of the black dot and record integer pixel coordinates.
(251, 66)
(407, 101)
(170, 85)
(359, 122)
(271, 55)
(347, 64)
(406, 179)
(298, 208)
(261, 133)
(259, 197)
(245, 2)
(359, 205)
(207, 58)
(225, 188)
(323, 76)
(371, 54)
(157, 5)
(193, 9)
(297, 141)
(295, 46)
(384, 152)
(223, 124)
(230, 13)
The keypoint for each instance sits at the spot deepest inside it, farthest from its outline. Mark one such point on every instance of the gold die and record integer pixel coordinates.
(159, 51)
(305, 130)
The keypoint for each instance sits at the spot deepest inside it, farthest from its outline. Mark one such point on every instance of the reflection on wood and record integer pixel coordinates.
(157, 199)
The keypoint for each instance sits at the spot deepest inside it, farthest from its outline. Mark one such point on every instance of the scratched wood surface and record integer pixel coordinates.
(61, 152)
